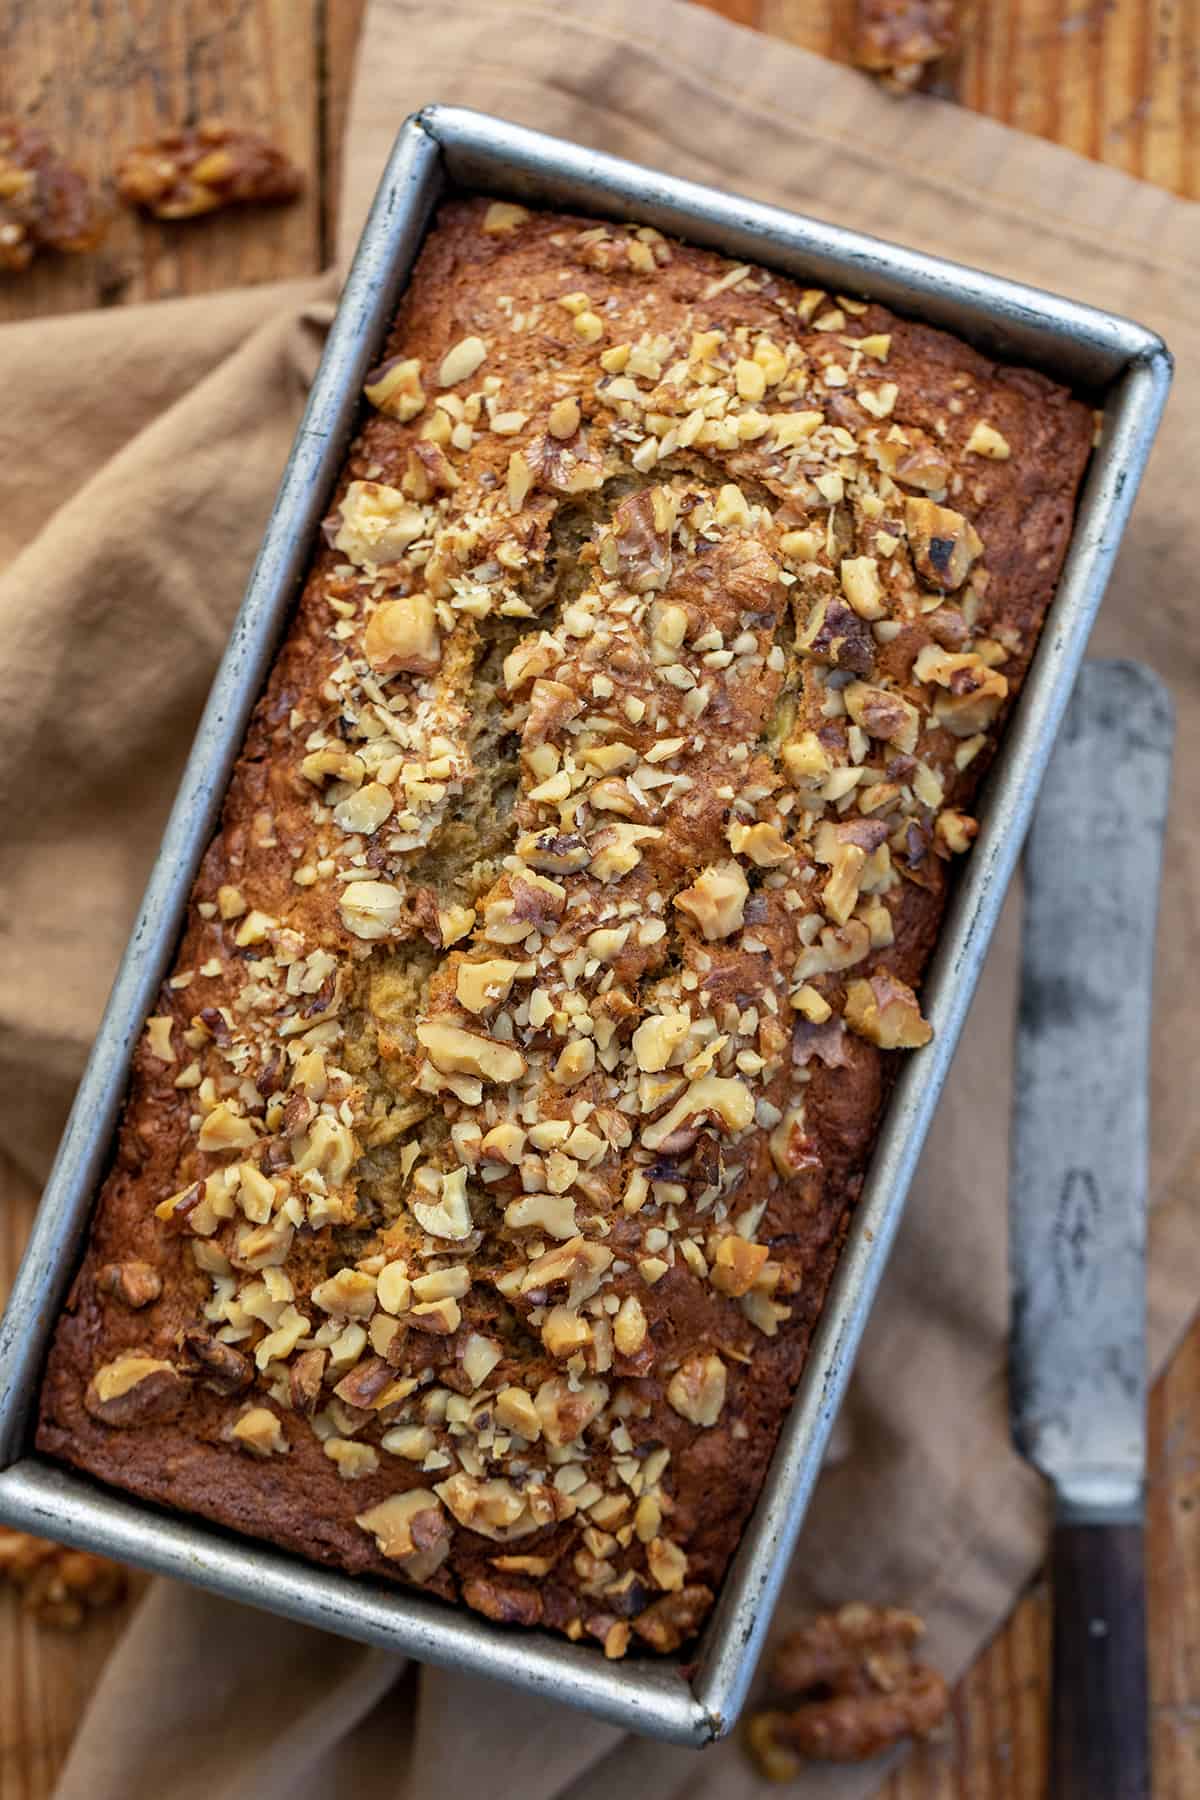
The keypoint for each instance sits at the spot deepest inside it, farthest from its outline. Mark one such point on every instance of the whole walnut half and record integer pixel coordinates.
(846, 1687)
(59, 1586)
(199, 169)
(45, 204)
(898, 39)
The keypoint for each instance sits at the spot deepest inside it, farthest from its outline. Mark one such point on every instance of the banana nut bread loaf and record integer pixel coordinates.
(489, 1151)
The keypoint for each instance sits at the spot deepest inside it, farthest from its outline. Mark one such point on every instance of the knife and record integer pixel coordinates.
(1077, 1207)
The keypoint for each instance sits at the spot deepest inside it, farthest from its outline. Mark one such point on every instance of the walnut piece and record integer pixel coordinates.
(859, 1691)
(898, 39)
(716, 900)
(461, 361)
(134, 1389)
(259, 1431)
(59, 1586)
(836, 634)
(395, 388)
(885, 1011)
(45, 204)
(457, 1052)
(861, 586)
(219, 1365)
(403, 635)
(181, 174)
(943, 543)
(669, 1622)
(481, 987)
(737, 1265)
(370, 909)
(883, 713)
(410, 1529)
(373, 527)
(133, 1284)
(565, 1413)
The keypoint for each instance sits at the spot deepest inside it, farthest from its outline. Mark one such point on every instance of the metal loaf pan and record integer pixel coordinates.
(1120, 366)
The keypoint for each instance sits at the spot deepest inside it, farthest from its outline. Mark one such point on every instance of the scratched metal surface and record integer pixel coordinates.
(1080, 1116)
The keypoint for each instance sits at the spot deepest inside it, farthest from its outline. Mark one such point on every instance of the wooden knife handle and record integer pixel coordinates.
(1100, 1720)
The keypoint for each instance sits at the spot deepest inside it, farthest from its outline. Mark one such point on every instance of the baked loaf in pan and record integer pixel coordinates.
(489, 1151)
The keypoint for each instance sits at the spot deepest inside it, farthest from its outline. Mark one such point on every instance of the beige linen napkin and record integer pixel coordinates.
(140, 449)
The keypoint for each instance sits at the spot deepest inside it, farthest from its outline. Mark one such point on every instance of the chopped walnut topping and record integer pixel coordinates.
(374, 525)
(503, 217)
(565, 1413)
(883, 713)
(59, 1586)
(738, 1265)
(371, 909)
(657, 1039)
(395, 388)
(852, 1689)
(985, 440)
(944, 544)
(483, 986)
(644, 675)
(220, 1367)
(564, 418)
(697, 1389)
(669, 1622)
(347, 1295)
(898, 39)
(134, 1284)
(719, 1098)
(403, 635)
(260, 1431)
(224, 1129)
(457, 1052)
(762, 843)
(461, 362)
(134, 1389)
(552, 1213)
(449, 1216)
(44, 202)
(716, 900)
(516, 1411)
(629, 1326)
(954, 831)
(354, 1461)
(667, 1564)
(861, 586)
(410, 1529)
(835, 633)
(885, 1011)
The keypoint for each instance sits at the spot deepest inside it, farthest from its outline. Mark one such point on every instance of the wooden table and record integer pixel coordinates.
(1113, 79)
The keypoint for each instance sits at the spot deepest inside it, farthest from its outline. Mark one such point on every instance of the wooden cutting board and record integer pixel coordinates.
(1118, 80)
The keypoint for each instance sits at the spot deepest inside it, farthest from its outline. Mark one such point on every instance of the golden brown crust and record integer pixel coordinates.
(494, 1138)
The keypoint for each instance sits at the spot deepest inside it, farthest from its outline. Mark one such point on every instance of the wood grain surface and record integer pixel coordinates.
(1114, 79)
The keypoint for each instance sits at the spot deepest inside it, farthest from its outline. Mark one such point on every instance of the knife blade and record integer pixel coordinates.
(1077, 1212)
